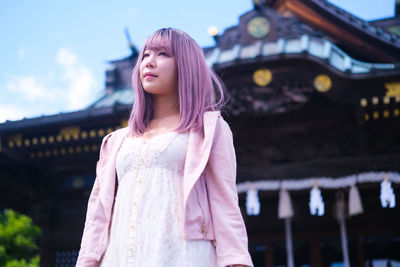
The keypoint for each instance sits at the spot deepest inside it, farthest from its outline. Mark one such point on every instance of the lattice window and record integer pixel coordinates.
(66, 258)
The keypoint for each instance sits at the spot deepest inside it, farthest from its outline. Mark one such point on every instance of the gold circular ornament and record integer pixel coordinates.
(262, 77)
(322, 83)
(258, 27)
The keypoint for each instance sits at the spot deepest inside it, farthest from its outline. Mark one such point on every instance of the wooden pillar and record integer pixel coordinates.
(360, 250)
(341, 217)
(315, 252)
(269, 255)
(289, 243)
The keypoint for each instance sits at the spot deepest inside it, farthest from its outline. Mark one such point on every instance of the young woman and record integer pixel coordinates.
(165, 192)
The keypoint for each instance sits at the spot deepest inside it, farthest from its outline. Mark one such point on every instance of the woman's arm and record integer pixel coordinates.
(230, 231)
(84, 259)
(95, 223)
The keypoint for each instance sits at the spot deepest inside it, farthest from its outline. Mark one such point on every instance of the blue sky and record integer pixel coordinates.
(54, 53)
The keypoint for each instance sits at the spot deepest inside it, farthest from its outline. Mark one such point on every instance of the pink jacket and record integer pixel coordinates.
(211, 208)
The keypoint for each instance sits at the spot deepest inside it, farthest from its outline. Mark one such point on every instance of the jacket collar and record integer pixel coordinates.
(198, 151)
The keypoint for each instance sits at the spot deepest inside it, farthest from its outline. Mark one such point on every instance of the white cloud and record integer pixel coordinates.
(80, 81)
(28, 87)
(80, 87)
(71, 87)
(21, 53)
(66, 58)
(9, 112)
(26, 97)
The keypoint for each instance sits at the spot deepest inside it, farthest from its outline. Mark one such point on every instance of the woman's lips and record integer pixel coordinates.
(149, 75)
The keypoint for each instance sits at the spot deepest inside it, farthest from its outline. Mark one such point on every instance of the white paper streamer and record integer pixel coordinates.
(323, 182)
(317, 206)
(387, 195)
(252, 202)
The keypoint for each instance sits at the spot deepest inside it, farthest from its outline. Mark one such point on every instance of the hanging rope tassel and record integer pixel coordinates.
(285, 209)
(252, 201)
(355, 204)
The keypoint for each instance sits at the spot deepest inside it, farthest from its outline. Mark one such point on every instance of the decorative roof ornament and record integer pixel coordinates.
(322, 83)
(258, 4)
(213, 31)
(135, 51)
(258, 27)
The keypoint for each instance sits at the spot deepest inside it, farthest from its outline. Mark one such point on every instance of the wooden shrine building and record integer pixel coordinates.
(314, 103)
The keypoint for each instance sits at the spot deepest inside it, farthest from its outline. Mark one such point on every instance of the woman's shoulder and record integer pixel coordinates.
(220, 125)
(115, 135)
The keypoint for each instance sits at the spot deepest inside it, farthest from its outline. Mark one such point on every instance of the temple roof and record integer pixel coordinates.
(346, 28)
(118, 97)
(322, 50)
(62, 118)
(314, 31)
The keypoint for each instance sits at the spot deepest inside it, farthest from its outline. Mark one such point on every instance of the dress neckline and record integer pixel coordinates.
(149, 139)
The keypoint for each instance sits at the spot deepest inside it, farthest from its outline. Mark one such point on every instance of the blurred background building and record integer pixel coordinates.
(315, 104)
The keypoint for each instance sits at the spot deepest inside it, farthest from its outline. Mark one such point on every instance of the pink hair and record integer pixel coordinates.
(199, 87)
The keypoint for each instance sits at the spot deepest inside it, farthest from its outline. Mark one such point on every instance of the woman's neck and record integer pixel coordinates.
(166, 115)
(165, 106)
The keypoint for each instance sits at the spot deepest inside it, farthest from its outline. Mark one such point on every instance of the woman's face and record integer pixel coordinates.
(158, 72)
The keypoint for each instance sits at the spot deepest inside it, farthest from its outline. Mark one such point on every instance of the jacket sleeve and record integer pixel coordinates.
(89, 253)
(230, 231)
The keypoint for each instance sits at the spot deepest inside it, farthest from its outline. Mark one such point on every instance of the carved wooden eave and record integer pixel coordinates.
(62, 138)
(295, 57)
(348, 29)
(288, 90)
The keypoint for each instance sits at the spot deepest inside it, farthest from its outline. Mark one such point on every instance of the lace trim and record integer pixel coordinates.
(133, 229)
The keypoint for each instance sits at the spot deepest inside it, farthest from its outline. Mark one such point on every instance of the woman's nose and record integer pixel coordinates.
(150, 61)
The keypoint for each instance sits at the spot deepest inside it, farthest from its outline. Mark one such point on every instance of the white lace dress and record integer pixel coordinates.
(147, 224)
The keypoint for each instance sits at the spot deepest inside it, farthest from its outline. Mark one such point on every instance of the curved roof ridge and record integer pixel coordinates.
(311, 45)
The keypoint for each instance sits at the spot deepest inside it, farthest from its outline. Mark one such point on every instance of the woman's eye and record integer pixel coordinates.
(162, 53)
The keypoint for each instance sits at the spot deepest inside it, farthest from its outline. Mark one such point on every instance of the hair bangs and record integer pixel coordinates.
(160, 40)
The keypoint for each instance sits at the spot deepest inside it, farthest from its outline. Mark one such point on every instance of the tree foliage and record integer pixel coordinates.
(17, 240)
